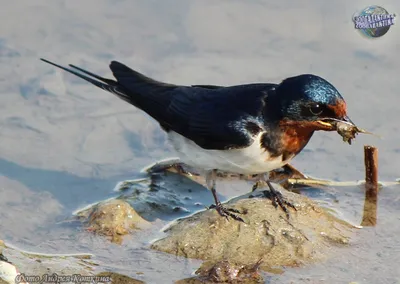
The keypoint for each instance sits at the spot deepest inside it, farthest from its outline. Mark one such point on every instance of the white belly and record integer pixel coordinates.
(250, 160)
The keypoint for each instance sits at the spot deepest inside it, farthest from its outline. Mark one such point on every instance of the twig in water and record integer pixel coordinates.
(371, 186)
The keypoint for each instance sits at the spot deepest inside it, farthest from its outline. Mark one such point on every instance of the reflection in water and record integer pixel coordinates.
(370, 208)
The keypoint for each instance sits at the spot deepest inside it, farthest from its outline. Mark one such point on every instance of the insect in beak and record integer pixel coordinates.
(345, 127)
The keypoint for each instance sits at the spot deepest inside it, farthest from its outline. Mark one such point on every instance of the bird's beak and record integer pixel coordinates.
(348, 120)
(330, 123)
(326, 124)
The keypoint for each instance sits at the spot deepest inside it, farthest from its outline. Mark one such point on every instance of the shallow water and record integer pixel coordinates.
(65, 144)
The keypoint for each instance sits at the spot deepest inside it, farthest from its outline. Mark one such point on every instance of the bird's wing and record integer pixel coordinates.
(214, 117)
(226, 118)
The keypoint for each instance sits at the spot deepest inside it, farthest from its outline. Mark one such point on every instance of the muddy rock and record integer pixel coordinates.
(166, 196)
(113, 218)
(226, 272)
(267, 237)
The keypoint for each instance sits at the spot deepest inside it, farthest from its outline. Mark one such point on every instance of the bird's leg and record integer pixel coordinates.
(211, 177)
(275, 195)
(259, 183)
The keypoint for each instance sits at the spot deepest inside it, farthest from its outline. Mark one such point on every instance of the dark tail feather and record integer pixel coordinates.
(94, 82)
(108, 85)
(147, 94)
(105, 80)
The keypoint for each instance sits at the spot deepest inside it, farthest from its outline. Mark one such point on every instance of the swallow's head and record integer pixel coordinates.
(311, 102)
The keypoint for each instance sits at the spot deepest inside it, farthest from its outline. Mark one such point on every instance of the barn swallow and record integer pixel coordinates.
(242, 129)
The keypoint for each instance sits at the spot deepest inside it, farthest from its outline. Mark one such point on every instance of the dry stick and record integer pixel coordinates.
(312, 181)
(371, 169)
(371, 186)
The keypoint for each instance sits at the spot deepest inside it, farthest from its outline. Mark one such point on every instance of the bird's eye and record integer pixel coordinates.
(316, 109)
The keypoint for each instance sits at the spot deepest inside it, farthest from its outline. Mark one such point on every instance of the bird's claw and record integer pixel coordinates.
(279, 200)
(227, 212)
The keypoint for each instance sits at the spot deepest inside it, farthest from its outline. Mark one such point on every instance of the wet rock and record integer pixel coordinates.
(166, 196)
(226, 272)
(267, 235)
(118, 278)
(113, 218)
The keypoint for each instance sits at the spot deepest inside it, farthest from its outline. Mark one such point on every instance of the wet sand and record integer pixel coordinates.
(65, 144)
